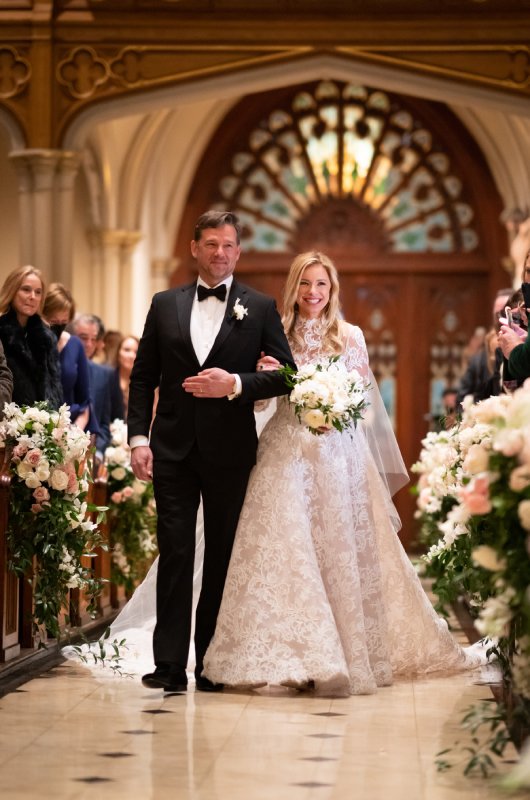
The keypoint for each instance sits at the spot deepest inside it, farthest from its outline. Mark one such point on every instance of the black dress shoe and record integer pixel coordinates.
(202, 684)
(168, 678)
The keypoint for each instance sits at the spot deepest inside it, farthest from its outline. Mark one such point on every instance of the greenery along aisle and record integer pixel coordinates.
(49, 529)
(474, 510)
(132, 513)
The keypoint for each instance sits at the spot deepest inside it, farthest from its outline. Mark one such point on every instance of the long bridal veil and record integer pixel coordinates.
(136, 621)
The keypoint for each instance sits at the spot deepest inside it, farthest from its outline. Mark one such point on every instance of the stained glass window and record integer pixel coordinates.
(347, 142)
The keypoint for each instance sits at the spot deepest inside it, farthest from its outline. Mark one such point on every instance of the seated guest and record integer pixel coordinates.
(58, 311)
(30, 347)
(104, 386)
(111, 342)
(127, 350)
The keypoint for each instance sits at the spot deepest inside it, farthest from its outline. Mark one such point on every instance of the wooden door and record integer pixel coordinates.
(416, 327)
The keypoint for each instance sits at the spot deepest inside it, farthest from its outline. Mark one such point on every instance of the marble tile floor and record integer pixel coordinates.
(68, 734)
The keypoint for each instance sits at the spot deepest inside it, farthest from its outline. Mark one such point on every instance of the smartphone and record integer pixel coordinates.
(509, 316)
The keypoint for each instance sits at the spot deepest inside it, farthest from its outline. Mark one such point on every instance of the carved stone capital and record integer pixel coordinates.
(115, 238)
(37, 168)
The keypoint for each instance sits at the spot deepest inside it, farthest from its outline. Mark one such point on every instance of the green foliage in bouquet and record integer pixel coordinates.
(132, 514)
(49, 528)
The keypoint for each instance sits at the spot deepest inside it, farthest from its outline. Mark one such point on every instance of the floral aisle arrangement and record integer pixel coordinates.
(49, 529)
(132, 513)
(445, 467)
(474, 496)
(326, 395)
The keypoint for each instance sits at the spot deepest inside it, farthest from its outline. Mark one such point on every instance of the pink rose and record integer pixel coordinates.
(480, 484)
(476, 497)
(73, 486)
(36, 507)
(116, 497)
(41, 494)
(20, 450)
(127, 492)
(34, 457)
(477, 504)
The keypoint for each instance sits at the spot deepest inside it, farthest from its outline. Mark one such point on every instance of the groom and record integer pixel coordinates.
(200, 346)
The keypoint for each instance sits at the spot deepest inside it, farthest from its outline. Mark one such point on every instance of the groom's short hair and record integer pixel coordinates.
(216, 219)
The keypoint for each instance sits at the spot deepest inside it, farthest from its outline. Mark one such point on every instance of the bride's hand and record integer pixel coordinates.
(267, 363)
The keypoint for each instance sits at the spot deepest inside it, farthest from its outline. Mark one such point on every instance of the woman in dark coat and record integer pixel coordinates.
(30, 346)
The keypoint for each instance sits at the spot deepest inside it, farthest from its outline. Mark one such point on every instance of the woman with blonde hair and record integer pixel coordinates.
(29, 344)
(320, 593)
(58, 311)
(126, 355)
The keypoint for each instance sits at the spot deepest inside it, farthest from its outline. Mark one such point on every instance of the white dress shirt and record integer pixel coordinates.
(206, 319)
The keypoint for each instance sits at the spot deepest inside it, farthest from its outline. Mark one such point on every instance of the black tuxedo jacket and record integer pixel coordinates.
(224, 430)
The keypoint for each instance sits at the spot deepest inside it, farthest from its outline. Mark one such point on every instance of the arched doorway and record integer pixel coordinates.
(398, 194)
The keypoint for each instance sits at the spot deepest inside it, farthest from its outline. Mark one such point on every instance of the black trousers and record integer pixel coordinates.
(178, 487)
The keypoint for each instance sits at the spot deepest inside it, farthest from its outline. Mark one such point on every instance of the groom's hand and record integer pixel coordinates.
(213, 382)
(142, 462)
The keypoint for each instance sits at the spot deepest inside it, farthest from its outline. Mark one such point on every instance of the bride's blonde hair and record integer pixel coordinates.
(330, 317)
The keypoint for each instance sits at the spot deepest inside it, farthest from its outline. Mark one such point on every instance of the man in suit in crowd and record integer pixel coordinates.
(200, 346)
(107, 402)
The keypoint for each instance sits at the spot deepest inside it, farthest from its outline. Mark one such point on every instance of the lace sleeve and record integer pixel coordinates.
(355, 352)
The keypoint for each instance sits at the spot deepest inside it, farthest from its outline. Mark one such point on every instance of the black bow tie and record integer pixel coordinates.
(219, 292)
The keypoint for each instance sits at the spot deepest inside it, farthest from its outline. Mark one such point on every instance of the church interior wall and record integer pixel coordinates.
(9, 214)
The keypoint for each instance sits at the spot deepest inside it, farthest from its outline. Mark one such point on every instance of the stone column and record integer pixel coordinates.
(161, 271)
(112, 284)
(67, 169)
(46, 191)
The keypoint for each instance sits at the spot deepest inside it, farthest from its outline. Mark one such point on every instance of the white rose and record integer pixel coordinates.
(476, 460)
(32, 482)
(43, 471)
(487, 557)
(24, 470)
(314, 418)
(523, 512)
(139, 487)
(508, 442)
(59, 480)
(118, 473)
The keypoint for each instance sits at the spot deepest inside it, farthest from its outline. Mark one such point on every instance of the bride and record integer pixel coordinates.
(319, 593)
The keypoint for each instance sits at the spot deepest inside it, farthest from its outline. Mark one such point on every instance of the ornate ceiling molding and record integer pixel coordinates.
(505, 67)
(53, 71)
(85, 72)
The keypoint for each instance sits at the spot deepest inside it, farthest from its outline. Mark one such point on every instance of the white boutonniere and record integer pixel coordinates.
(239, 311)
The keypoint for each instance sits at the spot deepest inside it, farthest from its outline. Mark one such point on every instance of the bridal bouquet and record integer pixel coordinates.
(326, 395)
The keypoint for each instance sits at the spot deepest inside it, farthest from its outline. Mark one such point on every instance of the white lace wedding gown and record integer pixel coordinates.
(319, 587)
